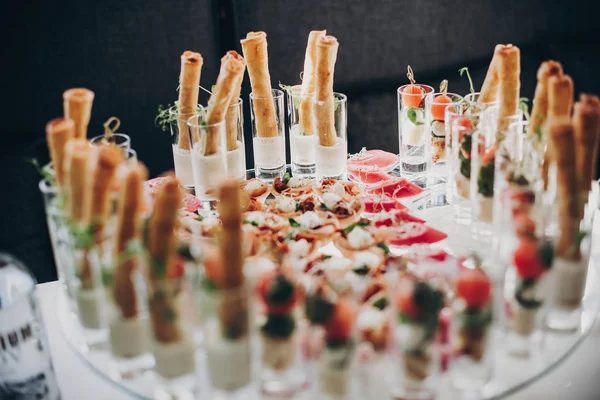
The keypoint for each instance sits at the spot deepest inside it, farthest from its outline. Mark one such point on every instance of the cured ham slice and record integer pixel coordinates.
(397, 188)
(413, 233)
(375, 204)
(373, 158)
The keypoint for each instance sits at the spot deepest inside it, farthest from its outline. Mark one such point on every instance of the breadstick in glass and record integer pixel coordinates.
(189, 89)
(58, 132)
(327, 48)
(254, 48)
(586, 125)
(560, 95)
(77, 175)
(539, 109)
(232, 117)
(77, 106)
(306, 113)
(489, 89)
(509, 75)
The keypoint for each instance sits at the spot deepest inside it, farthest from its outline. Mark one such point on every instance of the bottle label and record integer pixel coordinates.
(25, 367)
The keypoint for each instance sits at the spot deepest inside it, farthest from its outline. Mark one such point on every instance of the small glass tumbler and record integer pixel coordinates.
(227, 341)
(59, 235)
(119, 140)
(412, 131)
(171, 311)
(436, 105)
(460, 132)
(472, 99)
(302, 132)
(268, 135)
(128, 323)
(181, 144)
(331, 151)
(209, 161)
(236, 148)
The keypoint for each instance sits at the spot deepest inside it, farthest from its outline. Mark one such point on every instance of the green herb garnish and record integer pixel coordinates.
(253, 223)
(286, 178)
(473, 318)
(524, 106)
(294, 223)
(529, 304)
(465, 70)
(279, 326)
(43, 171)
(485, 180)
(170, 114)
(381, 303)
(107, 276)
(200, 218)
(384, 247)
(361, 223)
(324, 207)
(361, 270)
(411, 113)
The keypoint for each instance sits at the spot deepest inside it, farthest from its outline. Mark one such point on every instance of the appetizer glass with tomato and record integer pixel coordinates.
(471, 330)
(302, 143)
(268, 139)
(526, 287)
(209, 161)
(331, 157)
(418, 305)
(436, 106)
(119, 140)
(412, 129)
(281, 325)
(236, 147)
(182, 156)
(334, 316)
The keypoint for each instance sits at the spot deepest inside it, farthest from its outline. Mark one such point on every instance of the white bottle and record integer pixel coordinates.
(25, 366)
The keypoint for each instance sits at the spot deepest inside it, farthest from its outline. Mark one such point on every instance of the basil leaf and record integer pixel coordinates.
(412, 116)
(253, 223)
(294, 223)
(384, 247)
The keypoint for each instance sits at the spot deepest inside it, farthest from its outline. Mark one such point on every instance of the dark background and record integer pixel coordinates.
(127, 52)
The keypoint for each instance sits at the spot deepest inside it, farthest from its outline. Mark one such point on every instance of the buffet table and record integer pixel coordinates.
(575, 378)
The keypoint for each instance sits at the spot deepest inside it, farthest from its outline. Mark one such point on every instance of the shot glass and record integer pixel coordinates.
(236, 148)
(302, 132)
(227, 341)
(436, 105)
(181, 145)
(268, 137)
(58, 230)
(209, 158)
(171, 311)
(460, 128)
(119, 140)
(412, 132)
(331, 152)
(472, 99)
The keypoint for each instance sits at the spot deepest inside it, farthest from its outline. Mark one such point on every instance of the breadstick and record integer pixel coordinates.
(99, 205)
(58, 132)
(254, 48)
(232, 117)
(189, 88)
(232, 71)
(562, 147)
(539, 109)
(489, 89)
(164, 309)
(77, 106)
(306, 114)
(327, 48)
(131, 201)
(77, 173)
(509, 75)
(560, 95)
(586, 125)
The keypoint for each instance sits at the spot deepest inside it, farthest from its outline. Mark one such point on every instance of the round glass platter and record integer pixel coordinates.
(511, 374)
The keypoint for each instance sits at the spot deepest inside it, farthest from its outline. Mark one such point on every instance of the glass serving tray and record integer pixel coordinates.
(511, 373)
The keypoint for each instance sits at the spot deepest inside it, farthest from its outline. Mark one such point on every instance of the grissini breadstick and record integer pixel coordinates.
(77, 106)
(327, 48)
(160, 243)
(489, 89)
(232, 117)
(560, 95)
(77, 173)
(131, 201)
(254, 48)
(586, 125)
(233, 307)
(307, 121)
(562, 146)
(58, 132)
(189, 88)
(509, 75)
(232, 70)
(539, 109)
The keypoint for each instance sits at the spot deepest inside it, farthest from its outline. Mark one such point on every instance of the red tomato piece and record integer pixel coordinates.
(474, 286)
(265, 283)
(341, 323)
(526, 259)
(404, 298)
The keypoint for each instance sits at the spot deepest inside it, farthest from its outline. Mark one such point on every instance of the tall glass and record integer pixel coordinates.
(209, 161)
(268, 135)
(302, 132)
(472, 99)
(435, 120)
(236, 148)
(182, 157)
(331, 154)
(412, 133)
(171, 311)
(120, 140)
(460, 130)
(227, 341)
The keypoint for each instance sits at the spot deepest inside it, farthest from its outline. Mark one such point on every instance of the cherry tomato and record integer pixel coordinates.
(412, 96)
(266, 285)
(488, 156)
(404, 298)
(340, 324)
(526, 259)
(474, 286)
(524, 226)
(438, 107)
